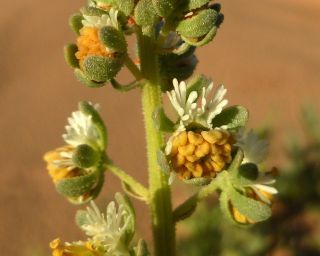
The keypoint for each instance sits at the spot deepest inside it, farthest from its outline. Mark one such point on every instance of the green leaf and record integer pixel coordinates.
(81, 77)
(254, 210)
(125, 6)
(163, 162)
(130, 228)
(70, 55)
(145, 14)
(225, 208)
(161, 121)
(113, 39)
(88, 109)
(77, 186)
(233, 117)
(102, 69)
(198, 25)
(75, 22)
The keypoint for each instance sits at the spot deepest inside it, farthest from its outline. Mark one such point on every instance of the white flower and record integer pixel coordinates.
(263, 187)
(81, 130)
(191, 108)
(110, 19)
(107, 230)
(255, 149)
(65, 160)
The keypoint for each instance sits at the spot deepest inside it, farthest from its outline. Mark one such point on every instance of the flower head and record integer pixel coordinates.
(73, 249)
(107, 230)
(81, 156)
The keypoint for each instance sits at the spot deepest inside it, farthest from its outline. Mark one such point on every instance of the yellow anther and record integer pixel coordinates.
(192, 158)
(183, 138)
(198, 171)
(195, 138)
(201, 154)
(202, 149)
(187, 150)
(180, 160)
(89, 44)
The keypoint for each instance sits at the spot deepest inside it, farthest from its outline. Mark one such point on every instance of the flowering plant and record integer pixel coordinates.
(207, 146)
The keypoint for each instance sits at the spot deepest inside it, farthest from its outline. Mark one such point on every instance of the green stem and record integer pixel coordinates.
(122, 175)
(159, 191)
(132, 67)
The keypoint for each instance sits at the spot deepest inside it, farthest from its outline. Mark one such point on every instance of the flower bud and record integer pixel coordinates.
(164, 7)
(99, 53)
(85, 156)
(145, 13)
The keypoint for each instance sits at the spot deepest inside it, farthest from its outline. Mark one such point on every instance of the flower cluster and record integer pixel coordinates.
(206, 140)
(76, 168)
(108, 234)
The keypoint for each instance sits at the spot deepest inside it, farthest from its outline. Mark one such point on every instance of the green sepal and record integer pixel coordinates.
(182, 49)
(145, 14)
(225, 208)
(128, 87)
(102, 69)
(254, 210)
(75, 22)
(237, 158)
(88, 109)
(85, 156)
(205, 40)
(198, 25)
(130, 228)
(233, 117)
(113, 39)
(141, 249)
(77, 186)
(202, 181)
(164, 7)
(163, 162)
(247, 174)
(92, 11)
(82, 78)
(162, 121)
(185, 210)
(195, 4)
(196, 83)
(131, 191)
(69, 55)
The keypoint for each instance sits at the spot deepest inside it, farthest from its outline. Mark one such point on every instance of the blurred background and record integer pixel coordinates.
(267, 53)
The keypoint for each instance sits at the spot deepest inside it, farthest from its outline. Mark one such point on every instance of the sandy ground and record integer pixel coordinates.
(267, 54)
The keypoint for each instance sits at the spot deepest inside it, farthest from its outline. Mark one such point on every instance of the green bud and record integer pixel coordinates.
(75, 22)
(92, 11)
(69, 55)
(247, 175)
(78, 186)
(101, 69)
(125, 6)
(164, 7)
(198, 25)
(195, 4)
(113, 39)
(203, 41)
(145, 13)
(85, 80)
(85, 156)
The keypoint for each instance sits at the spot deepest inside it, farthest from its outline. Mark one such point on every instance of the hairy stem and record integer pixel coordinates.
(159, 190)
